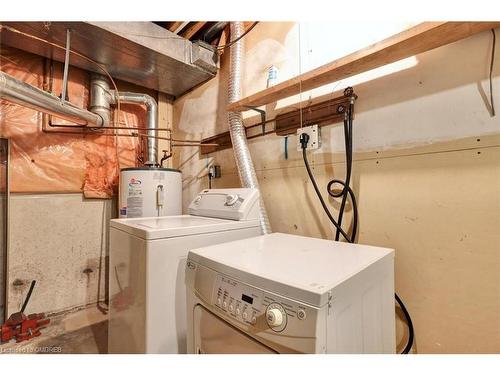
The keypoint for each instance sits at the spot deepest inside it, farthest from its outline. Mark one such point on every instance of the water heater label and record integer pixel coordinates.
(134, 207)
(134, 187)
(134, 199)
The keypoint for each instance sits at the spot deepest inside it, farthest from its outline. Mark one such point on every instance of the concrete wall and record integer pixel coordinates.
(426, 172)
(61, 241)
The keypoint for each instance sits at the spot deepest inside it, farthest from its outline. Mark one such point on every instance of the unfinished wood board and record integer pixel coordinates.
(191, 29)
(176, 26)
(421, 38)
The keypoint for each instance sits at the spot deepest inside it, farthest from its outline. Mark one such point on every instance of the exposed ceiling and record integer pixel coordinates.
(214, 33)
(169, 56)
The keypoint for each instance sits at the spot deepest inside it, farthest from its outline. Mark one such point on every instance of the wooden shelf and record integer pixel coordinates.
(418, 39)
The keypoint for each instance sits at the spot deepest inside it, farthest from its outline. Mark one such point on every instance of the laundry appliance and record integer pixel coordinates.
(147, 262)
(281, 293)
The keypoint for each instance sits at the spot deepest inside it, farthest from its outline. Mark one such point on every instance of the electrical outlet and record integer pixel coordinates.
(214, 171)
(314, 137)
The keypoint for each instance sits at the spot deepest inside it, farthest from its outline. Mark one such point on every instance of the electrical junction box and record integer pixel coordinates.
(314, 137)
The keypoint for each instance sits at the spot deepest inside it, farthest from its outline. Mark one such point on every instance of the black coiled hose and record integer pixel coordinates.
(345, 193)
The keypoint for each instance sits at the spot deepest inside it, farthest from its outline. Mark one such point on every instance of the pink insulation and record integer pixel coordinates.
(43, 162)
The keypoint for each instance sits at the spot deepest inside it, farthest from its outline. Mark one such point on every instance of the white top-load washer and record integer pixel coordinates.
(282, 293)
(147, 262)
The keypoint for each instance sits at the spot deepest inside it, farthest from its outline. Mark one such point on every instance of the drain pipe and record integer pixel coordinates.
(22, 93)
(151, 122)
(244, 162)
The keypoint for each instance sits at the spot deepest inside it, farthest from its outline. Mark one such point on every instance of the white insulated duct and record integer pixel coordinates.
(244, 162)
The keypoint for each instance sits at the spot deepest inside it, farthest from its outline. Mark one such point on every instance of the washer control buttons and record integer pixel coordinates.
(245, 316)
(224, 304)
(231, 308)
(238, 311)
(301, 314)
(254, 319)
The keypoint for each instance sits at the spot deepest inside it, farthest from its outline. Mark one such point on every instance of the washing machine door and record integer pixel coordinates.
(215, 336)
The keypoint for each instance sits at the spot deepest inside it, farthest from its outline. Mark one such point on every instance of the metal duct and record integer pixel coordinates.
(141, 53)
(100, 97)
(244, 162)
(22, 93)
(152, 120)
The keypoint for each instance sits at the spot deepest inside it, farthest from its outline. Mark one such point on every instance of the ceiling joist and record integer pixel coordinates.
(189, 31)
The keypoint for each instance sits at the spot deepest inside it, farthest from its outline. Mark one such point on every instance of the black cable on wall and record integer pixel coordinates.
(346, 193)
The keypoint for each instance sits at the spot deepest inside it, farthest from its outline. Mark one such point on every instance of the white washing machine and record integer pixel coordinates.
(281, 293)
(147, 263)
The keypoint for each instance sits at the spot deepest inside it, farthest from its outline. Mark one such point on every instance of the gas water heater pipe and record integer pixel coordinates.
(151, 123)
(244, 162)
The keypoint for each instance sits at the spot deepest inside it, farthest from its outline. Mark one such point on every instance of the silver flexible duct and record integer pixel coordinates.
(23, 93)
(244, 162)
(152, 120)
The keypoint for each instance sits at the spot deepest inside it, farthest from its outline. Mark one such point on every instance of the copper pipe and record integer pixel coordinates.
(83, 132)
(189, 143)
(173, 139)
(105, 127)
(194, 145)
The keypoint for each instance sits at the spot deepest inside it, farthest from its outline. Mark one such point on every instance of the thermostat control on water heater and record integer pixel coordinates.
(232, 204)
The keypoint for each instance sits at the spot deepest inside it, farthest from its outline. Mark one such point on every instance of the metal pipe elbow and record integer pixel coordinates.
(152, 120)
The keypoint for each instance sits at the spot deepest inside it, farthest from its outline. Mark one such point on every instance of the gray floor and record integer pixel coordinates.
(87, 340)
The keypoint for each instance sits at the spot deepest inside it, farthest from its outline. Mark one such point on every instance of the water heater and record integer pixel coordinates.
(146, 192)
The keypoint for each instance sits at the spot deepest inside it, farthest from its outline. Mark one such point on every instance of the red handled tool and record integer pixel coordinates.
(22, 327)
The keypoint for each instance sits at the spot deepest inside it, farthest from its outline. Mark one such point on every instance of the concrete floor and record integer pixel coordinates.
(78, 332)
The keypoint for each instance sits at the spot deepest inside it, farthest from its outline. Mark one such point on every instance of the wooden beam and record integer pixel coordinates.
(176, 26)
(421, 38)
(192, 29)
(223, 39)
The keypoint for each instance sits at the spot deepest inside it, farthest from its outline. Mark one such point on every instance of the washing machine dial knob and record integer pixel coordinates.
(231, 199)
(274, 317)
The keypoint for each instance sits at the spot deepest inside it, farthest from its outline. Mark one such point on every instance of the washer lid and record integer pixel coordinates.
(301, 268)
(177, 226)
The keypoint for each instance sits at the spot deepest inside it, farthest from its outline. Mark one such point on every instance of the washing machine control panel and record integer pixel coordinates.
(256, 307)
(232, 204)
(239, 300)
